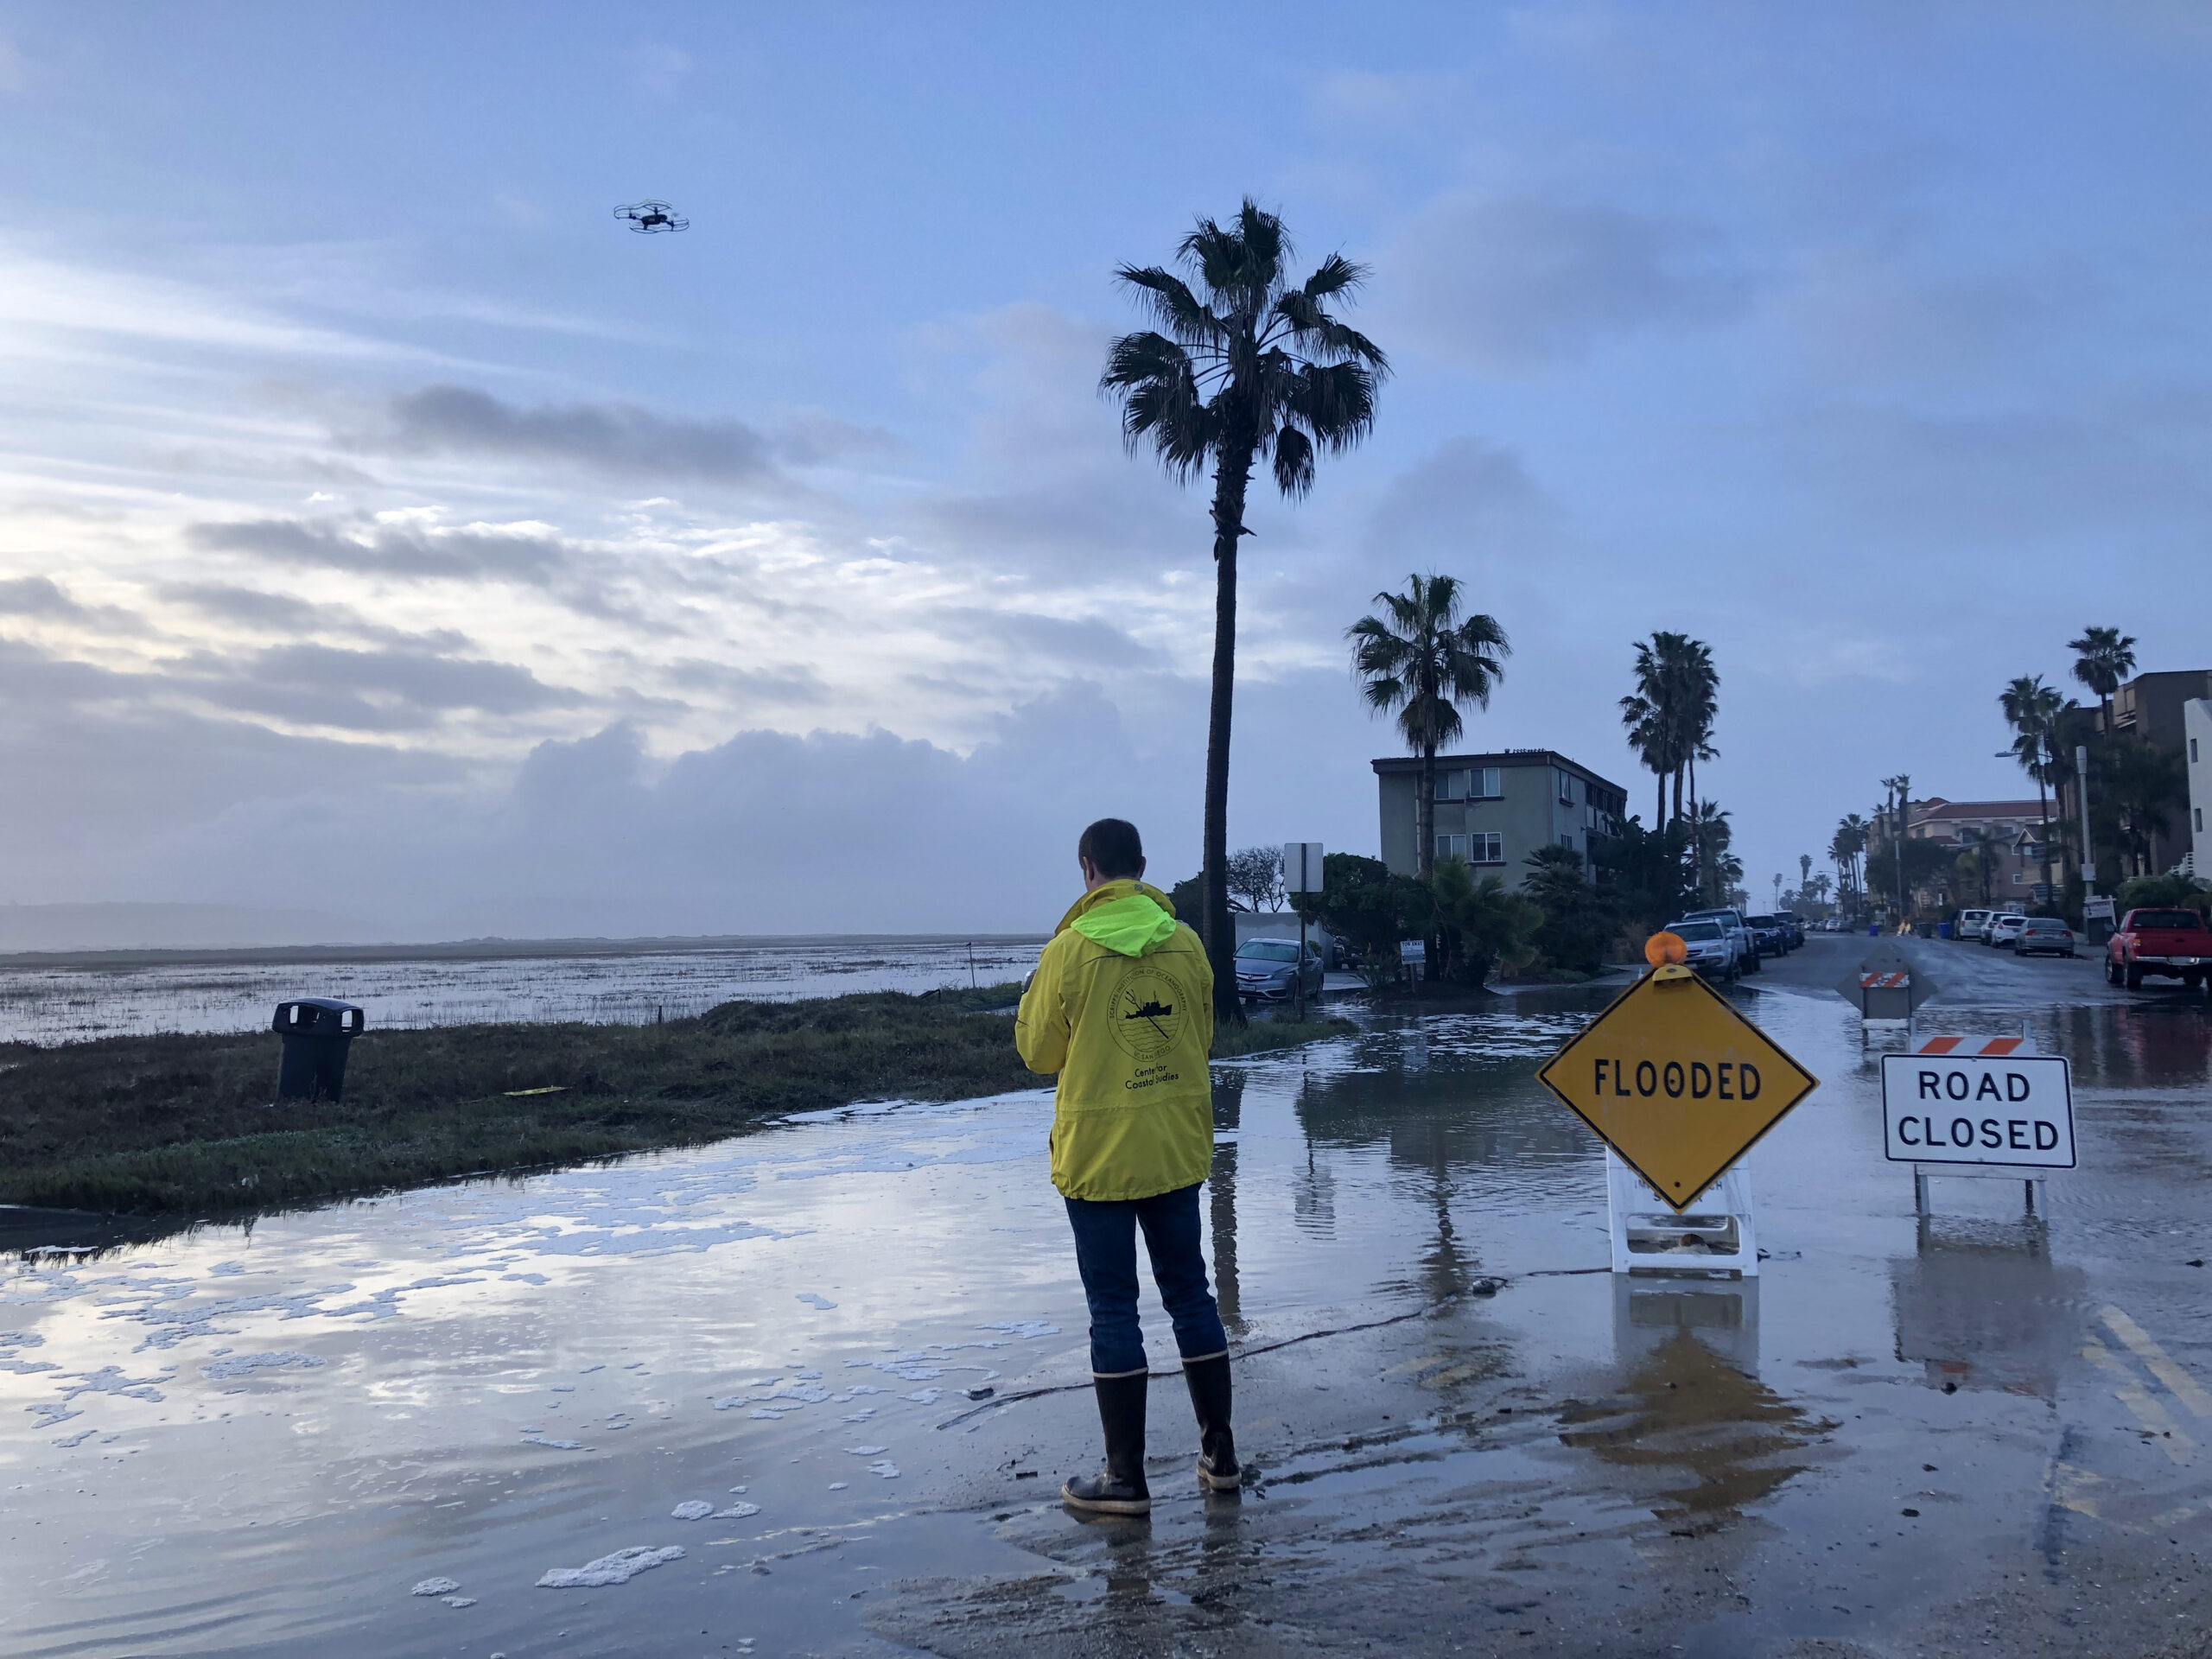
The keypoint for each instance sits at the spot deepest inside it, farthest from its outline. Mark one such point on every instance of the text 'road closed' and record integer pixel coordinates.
(2018, 1110)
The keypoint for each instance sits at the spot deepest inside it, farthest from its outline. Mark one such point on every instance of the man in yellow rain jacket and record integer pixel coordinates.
(1121, 1007)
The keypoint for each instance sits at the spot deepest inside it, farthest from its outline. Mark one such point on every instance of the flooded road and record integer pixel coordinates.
(1981, 1432)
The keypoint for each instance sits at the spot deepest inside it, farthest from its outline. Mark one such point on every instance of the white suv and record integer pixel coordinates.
(1974, 923)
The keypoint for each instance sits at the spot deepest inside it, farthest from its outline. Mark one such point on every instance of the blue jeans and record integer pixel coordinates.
(1106, 1253)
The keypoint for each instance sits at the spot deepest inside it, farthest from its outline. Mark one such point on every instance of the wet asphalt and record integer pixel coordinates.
(1984, 1431)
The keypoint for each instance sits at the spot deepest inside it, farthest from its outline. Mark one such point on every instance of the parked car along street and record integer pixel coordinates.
(2173, 942)
(1770, 936)
(2004, 929)
(1265, 970)
(2043, 936)
(1708, 948)
(1973, 924)
(1739, 935)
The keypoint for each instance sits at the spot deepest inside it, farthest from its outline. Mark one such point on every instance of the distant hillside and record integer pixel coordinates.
(169, 927)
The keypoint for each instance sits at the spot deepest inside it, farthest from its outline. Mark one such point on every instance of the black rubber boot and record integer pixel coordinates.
(1218, 1471)
(1119, 1488)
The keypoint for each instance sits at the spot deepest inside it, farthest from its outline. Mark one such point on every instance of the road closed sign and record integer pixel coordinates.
(2011, 1111)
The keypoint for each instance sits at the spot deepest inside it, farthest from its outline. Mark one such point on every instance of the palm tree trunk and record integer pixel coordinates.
(2043, 835)
(1678, 789)
(1424, 815)
(1659, 807)
(1691, 766)
(1231, 475)
(1425, 850)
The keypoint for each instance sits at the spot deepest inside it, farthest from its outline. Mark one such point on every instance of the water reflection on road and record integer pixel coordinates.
(251, 1439)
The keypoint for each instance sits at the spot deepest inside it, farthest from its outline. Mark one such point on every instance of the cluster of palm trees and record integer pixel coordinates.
(1670, 717)
(1847, 852)
(2134, 783)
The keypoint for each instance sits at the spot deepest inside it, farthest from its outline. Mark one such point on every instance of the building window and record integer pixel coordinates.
(2200, 816)
(1448, 785)
(1488, 848)
(1452, 847)
(1563, 782)
(1485, 783)
(2192, 751)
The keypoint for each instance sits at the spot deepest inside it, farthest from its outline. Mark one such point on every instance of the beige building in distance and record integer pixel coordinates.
(1495, 810)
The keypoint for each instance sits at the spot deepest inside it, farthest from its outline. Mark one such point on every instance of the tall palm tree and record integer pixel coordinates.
(1804, 872)
(2033, 709)
(1248, 369)
(1421, 660)
(1899, 808)
(2103, 658)
(1711, 835)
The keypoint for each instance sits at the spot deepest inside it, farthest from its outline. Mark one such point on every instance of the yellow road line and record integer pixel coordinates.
(2170, 1436)
(2158, 1361)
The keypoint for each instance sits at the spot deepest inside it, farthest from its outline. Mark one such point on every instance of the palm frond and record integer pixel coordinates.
(1335, 402)
(1168, 297)
(1324, 336)
(1384, 694)
(1293, 459)
(1160, 400)
(1334, 275)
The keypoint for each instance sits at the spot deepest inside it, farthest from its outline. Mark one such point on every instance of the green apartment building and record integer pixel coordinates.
(1495, 810)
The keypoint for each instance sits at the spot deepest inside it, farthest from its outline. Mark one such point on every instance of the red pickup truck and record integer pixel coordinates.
(2171, 942)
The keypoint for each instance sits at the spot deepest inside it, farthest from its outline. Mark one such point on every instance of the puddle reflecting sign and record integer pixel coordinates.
(2013, 1111)
(1676, 1082)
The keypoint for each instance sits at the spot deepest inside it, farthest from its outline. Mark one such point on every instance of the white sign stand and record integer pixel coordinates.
(1714, 1234)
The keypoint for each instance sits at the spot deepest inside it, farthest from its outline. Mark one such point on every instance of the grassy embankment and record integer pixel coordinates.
(184, 1125)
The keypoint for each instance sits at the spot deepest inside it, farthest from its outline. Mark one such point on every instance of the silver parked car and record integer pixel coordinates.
(1740, 934)
(2043, 936)
(1708, 948)
(1265, 970)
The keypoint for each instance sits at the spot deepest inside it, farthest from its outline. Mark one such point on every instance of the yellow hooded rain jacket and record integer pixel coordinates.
(1121, 1007)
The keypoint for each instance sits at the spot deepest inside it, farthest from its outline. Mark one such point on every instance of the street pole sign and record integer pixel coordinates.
(1301, 875)
(1676, 1082)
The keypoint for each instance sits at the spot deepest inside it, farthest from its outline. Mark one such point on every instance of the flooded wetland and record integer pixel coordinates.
(813, 1389)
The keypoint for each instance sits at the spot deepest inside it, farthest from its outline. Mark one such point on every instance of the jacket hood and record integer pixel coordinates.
(1126, 917)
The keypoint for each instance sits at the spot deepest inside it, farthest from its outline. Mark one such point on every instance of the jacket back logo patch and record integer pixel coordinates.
(1146, 1020)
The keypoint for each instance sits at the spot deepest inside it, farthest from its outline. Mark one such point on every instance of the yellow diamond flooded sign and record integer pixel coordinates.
(1676, 1082)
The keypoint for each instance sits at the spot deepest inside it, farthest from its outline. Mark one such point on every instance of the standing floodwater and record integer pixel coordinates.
(771, 1356)
(49, 1003)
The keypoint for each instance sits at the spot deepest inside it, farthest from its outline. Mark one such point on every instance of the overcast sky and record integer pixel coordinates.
(384, 530)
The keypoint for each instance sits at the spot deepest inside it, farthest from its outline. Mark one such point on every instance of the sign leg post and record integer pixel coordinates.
(1919, 1194)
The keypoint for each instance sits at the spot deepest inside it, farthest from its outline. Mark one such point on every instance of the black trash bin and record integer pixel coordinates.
(317, 1032)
